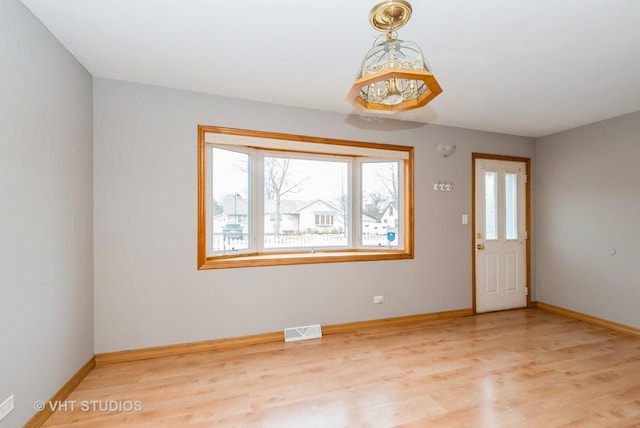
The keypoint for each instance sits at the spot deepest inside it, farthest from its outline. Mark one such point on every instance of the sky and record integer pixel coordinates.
(323, 179)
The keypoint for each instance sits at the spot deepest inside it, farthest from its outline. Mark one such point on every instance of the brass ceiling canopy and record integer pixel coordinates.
(390, 15)
(394, 75)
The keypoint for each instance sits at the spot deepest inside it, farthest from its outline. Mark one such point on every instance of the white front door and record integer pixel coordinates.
(500, 235)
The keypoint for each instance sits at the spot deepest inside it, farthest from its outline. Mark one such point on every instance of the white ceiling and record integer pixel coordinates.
(523, 67)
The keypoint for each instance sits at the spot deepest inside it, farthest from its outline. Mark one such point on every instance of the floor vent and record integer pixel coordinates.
(302, 333)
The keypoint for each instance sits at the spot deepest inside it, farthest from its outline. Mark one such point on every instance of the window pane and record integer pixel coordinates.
(379, 207)
(511, 198)
(230, 204)
(491, 205)
(307, 200)
(319, 201)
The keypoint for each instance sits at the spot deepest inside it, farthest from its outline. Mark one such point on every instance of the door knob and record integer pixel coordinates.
(480, 247)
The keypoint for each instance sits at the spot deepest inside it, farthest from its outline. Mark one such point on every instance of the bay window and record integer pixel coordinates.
(273, 199)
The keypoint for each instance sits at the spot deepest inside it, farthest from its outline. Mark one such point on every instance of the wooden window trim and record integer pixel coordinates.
(299, 257)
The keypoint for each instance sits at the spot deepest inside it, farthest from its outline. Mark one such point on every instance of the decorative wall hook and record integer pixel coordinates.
(447, 186)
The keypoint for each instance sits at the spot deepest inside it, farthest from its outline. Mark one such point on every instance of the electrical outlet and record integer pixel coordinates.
(378, 299)
(6, 407)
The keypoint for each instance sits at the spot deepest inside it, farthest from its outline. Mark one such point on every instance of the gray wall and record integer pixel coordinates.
(148, 291)
(46, 244)
(588, 202)
(142, 171)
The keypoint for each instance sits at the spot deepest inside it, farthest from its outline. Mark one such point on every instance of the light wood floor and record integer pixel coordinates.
(523, 368)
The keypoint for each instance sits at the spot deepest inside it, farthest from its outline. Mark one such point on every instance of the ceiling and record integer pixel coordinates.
(527, 67)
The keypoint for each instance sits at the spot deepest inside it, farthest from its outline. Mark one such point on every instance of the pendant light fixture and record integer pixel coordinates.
(394, 75)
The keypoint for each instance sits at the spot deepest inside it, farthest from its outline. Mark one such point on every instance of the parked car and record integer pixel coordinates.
(232, 231)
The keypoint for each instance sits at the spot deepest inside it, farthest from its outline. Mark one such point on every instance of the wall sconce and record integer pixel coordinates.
(445, 149)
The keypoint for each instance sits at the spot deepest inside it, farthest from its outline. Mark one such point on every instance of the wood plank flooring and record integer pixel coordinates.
(522, 368)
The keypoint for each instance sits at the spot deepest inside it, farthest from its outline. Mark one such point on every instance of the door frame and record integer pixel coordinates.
(527, 186)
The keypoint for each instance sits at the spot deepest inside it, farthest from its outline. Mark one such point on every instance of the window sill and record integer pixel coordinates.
(281, 259)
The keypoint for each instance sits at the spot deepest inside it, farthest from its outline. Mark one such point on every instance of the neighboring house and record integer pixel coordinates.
(296, 217)
(218, 223)
(303, 217)
(368, 219)
(390, 216)
(370, 224)
(320, 216)
(236, 209)
(387, 221)
(289, 218)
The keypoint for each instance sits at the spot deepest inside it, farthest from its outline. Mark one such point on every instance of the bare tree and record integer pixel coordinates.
(277, 184)
(374, 204)
(389, 180)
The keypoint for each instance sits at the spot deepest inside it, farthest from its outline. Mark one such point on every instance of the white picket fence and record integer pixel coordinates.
(300, 241)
